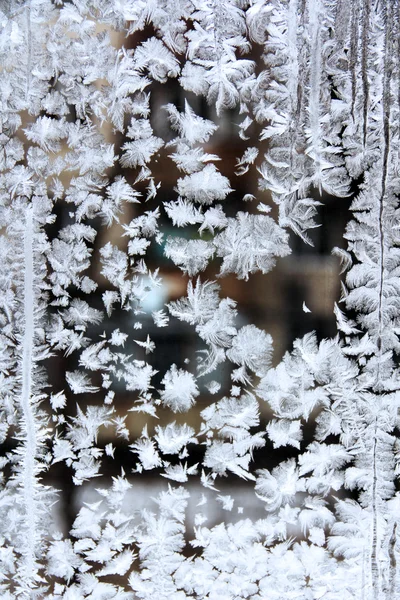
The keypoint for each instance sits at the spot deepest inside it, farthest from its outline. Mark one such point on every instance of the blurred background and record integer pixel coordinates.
(296, 297)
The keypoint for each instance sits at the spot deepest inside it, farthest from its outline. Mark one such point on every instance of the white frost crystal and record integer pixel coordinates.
(180, 389)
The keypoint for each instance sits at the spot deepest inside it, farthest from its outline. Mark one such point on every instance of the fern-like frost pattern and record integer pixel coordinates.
(312, 88)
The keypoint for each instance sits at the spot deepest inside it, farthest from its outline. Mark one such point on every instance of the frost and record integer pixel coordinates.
(285, 432)
(251, 347)
(173, 437)
(148, 455)
(180, 389)
(190, 126)
(204, 187)
(120, 189)
(160, 318)
(250, 243)
(79, 382)
(192, 256)
(280, 486)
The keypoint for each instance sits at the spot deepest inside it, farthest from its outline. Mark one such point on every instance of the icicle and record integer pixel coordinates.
(392, 563)
(28, 418)
(354, 35)
(293, 80)
(364, 65)
(314, 19)
(387, 70)
(29, 51)
(374, 543)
